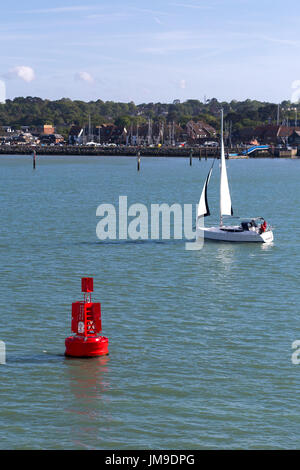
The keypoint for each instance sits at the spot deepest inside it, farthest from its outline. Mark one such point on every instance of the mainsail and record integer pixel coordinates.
(225, 199)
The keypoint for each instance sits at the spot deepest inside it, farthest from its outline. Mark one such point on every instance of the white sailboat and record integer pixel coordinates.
(249, 230)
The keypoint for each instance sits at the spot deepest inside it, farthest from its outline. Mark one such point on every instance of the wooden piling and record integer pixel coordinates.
(138, 161)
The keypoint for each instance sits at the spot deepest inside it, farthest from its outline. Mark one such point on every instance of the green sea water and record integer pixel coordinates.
(200, 342)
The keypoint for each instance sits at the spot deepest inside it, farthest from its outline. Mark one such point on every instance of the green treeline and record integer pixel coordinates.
(34, 111)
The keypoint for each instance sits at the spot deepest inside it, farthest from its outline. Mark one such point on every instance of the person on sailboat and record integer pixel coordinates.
(253, 225)
(263, 227)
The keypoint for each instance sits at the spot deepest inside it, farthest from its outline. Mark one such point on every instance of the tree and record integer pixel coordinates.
(123, 121)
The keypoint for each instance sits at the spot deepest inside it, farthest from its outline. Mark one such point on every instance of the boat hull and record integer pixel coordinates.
(234, 235)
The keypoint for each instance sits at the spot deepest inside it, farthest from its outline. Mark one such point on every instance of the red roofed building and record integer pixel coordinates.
(198, 131)
(274, 134)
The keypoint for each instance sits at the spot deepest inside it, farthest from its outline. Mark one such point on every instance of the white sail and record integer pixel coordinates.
(203, 209)
(225, 199)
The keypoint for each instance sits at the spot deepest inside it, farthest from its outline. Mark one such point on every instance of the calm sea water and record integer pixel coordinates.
(199, 341)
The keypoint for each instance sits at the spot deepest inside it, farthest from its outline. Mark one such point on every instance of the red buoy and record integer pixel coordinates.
(86, 324)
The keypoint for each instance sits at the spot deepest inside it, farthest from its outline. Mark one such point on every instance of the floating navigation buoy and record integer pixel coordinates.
(86, 324)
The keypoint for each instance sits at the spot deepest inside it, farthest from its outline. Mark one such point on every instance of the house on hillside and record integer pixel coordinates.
(8, 129)
(25, 129)
(294, 138)
(268, 134)
(274, 134)
(26, 138)
(47, 129)
(20, 138)
(112, 134)
(199, 131)
(48, 139)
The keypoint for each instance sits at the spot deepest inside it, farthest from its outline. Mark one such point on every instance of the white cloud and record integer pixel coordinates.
(84, 77)
(285, 42)
(185, 5)
(62, 9)
(24, 72)
(108, 16)
(182, 84)
(157, 20)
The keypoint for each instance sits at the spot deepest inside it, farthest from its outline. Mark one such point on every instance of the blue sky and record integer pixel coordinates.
(150, 51)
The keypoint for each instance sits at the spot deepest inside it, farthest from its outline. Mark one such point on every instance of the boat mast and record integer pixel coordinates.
(221, 147)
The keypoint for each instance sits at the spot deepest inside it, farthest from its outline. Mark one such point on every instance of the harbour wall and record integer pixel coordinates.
(143, 151)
